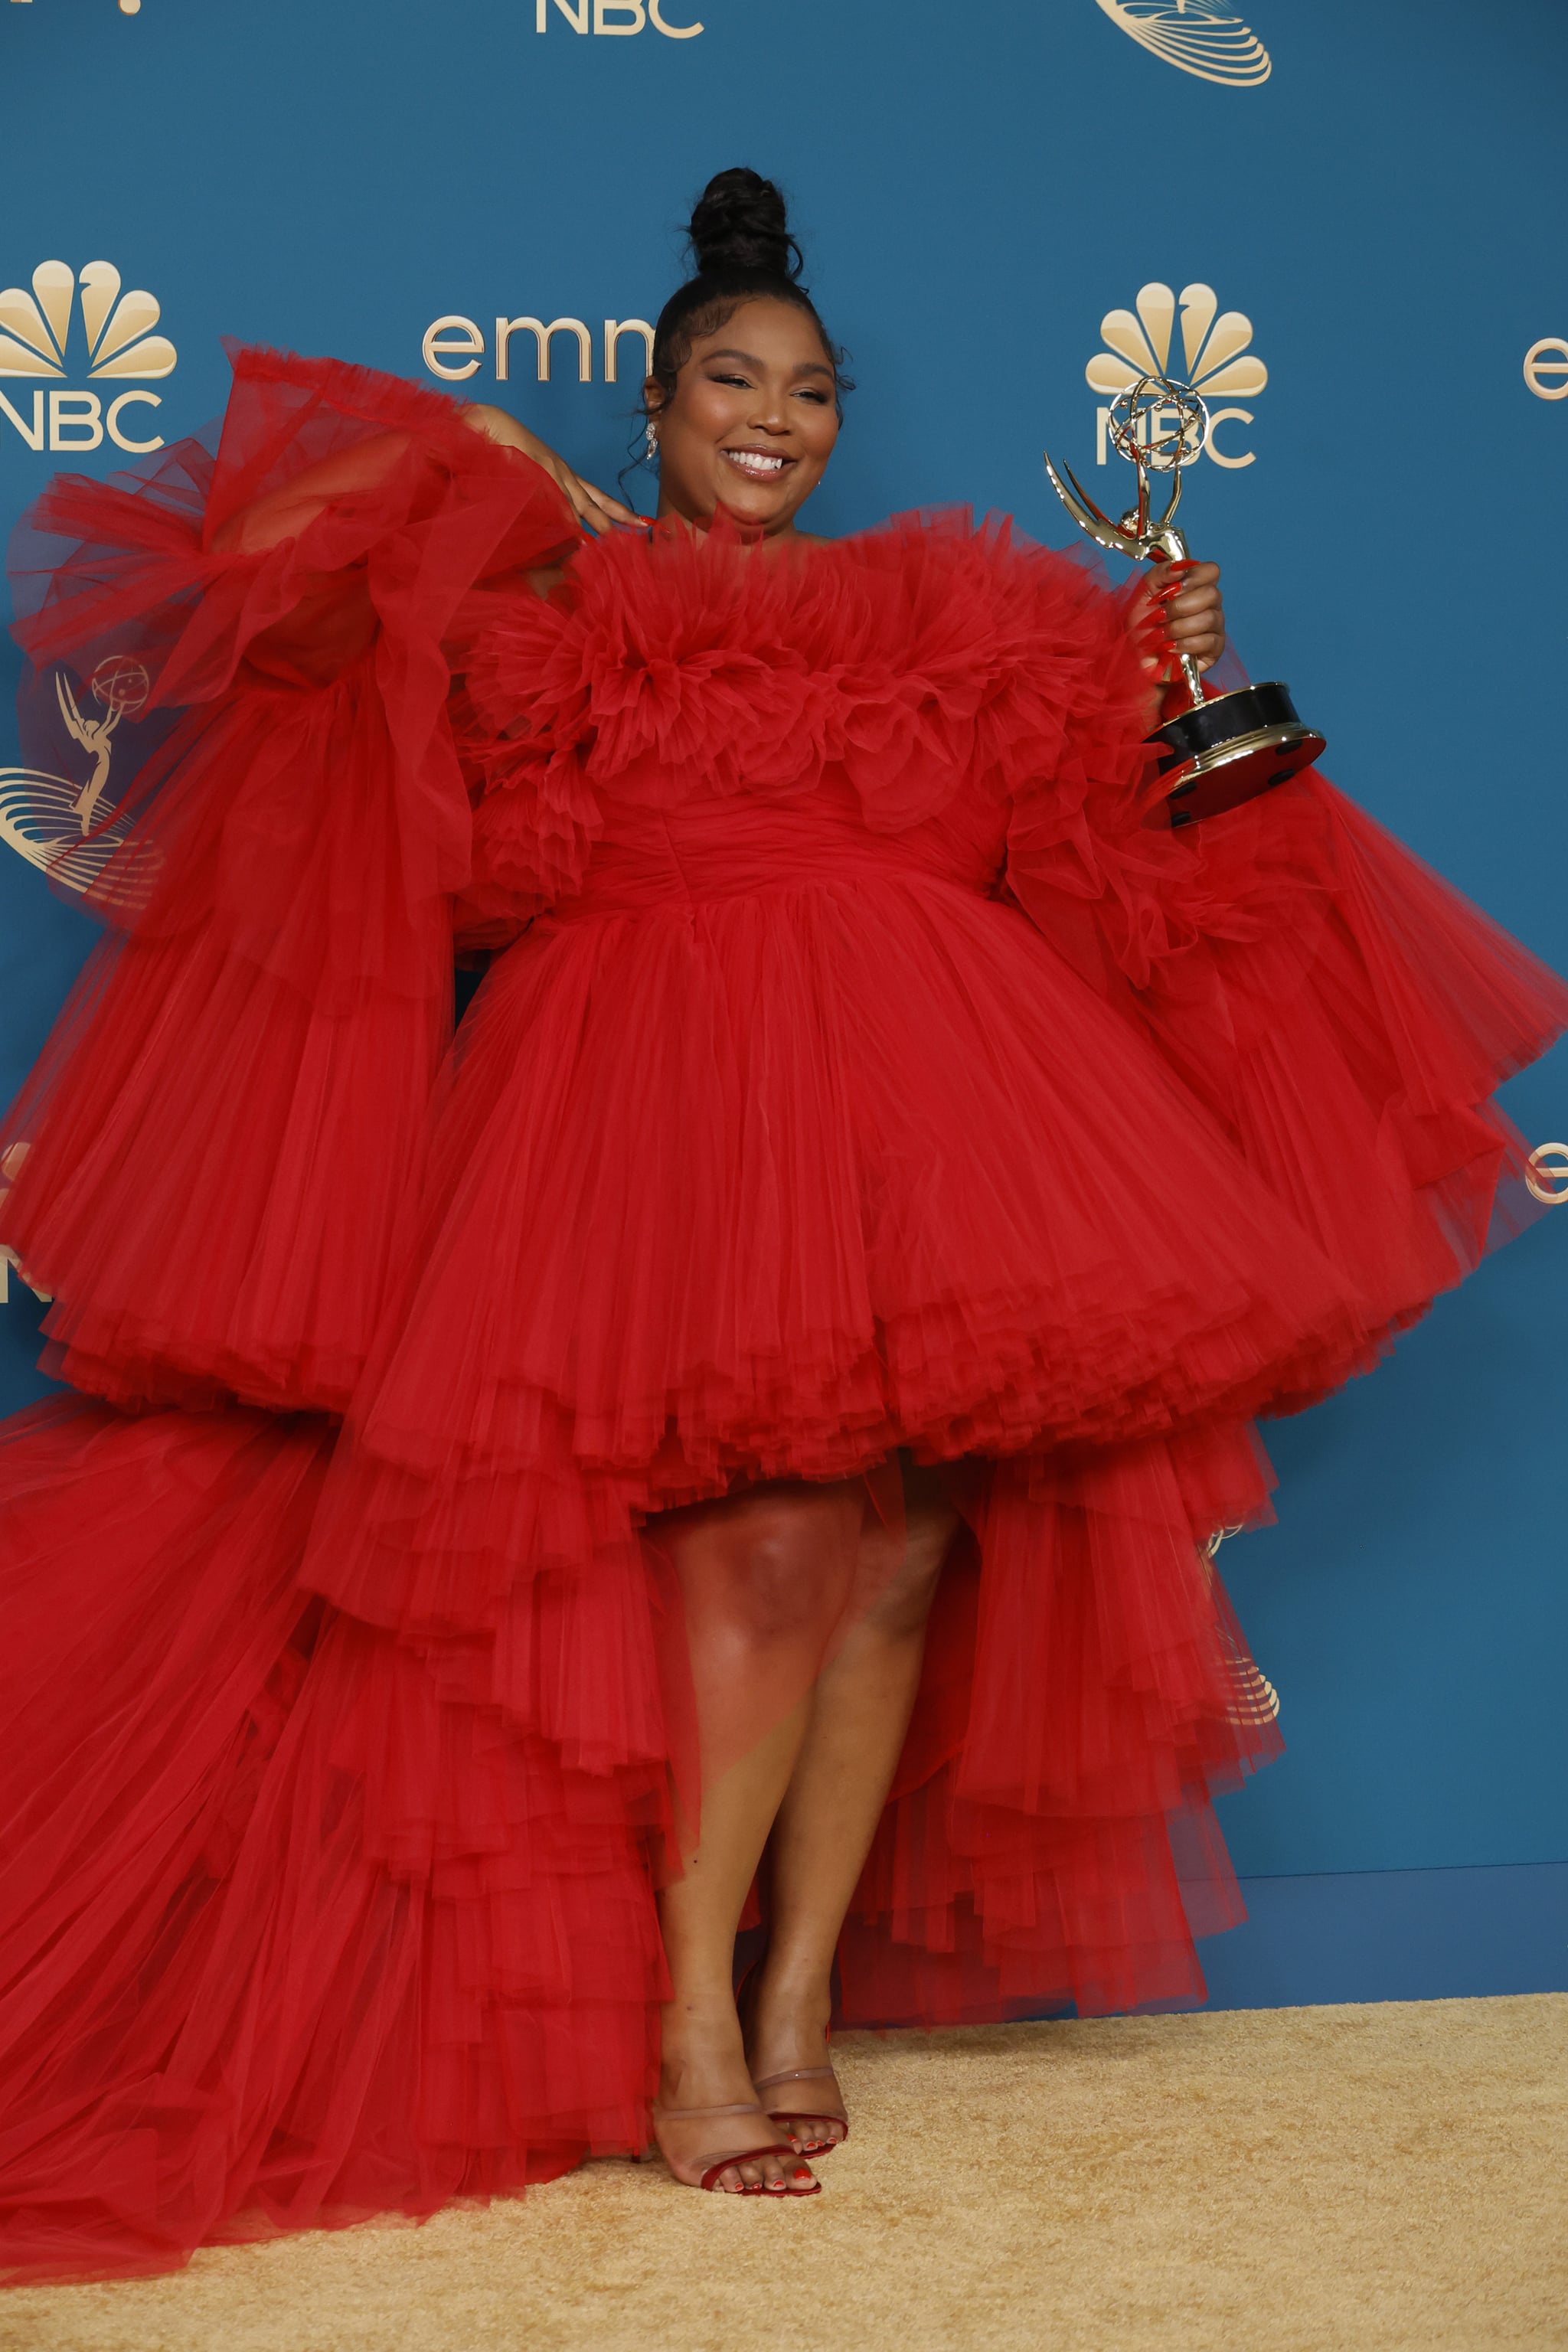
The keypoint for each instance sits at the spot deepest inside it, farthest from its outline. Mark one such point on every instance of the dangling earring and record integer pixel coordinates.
(652, 443)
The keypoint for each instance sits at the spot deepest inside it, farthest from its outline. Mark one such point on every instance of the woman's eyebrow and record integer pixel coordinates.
(806, 367)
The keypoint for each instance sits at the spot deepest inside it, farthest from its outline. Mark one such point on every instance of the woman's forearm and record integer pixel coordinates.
(285, 512)
(595, 509)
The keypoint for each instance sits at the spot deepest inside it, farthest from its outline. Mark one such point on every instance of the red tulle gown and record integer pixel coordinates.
(857, 1071)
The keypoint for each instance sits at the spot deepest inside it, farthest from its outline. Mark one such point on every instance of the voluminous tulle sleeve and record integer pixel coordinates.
(1338, 1007)
(221, 1128)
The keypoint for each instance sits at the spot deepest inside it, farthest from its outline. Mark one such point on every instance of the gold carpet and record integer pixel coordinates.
(1286, 2181)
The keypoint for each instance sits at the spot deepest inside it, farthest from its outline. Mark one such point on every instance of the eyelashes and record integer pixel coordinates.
(744, 383)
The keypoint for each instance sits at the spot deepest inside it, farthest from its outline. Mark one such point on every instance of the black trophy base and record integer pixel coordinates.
(1230, 750)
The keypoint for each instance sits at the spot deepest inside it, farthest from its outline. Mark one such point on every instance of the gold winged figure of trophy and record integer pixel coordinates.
(1228, 748)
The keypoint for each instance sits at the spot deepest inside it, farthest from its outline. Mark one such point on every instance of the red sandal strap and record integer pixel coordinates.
(708, 2168)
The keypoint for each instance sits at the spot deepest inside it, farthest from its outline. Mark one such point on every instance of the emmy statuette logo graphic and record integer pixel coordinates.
(1197, 36)
(1217, 363)
(64, 823)
(117, 330)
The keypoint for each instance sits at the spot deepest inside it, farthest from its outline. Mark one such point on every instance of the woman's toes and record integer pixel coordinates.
(785, 2180)
(767, 2176)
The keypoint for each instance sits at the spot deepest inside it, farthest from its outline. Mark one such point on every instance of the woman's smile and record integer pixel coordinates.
(762, 464)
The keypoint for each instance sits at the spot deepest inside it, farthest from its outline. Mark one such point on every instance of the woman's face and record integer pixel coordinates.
(752, 423)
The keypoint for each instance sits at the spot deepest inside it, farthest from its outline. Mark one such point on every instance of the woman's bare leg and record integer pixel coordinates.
(859, 1716)
(763, 1573)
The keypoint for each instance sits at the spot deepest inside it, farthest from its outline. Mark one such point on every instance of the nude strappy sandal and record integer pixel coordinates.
(835, 2113)
(793, 2122)
(704, 2171)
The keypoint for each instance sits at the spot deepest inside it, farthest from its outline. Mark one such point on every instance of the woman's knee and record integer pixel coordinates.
(905, 1600)
(774, 1566)
(797, 1562)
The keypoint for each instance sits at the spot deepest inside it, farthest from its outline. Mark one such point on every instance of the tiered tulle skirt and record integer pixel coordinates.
(348, 1764)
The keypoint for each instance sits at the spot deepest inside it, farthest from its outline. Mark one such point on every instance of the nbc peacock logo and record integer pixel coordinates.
(38, 337)
(1215, 361)
(1197, 36)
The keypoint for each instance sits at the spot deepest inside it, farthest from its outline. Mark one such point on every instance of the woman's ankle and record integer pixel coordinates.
(699, 2040)
(794, 1990)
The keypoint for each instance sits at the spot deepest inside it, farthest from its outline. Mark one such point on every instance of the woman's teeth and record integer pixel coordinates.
(757, 462)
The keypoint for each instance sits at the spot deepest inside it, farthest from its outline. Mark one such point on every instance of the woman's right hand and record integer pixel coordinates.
(595, 509)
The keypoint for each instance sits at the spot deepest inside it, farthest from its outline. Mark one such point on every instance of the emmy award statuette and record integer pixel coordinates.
(1222, 752)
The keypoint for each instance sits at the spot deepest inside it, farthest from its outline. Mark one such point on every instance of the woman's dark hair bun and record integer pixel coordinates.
(740, 222)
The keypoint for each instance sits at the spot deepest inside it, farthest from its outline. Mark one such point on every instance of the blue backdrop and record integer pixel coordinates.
(976, 188)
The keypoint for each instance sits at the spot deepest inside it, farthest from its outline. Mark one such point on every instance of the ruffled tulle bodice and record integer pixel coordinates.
(761, 714)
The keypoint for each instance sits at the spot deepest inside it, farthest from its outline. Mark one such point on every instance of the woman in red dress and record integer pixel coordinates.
(754, 1404)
